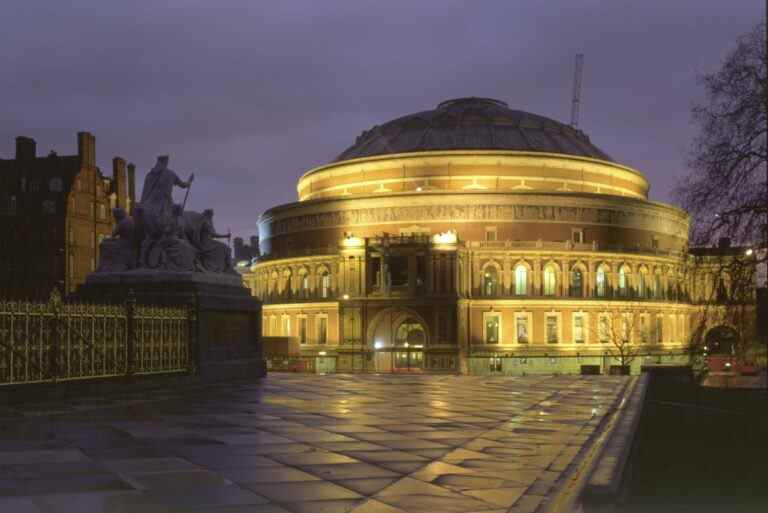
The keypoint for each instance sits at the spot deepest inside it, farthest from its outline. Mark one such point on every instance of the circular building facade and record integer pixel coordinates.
(474, 238)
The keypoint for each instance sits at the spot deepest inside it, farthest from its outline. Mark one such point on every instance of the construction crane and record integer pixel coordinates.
(576, 102)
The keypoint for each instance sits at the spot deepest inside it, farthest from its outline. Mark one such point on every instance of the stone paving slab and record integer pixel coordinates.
(305, 443)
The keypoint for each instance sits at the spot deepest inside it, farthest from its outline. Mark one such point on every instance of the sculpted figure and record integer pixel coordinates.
(118, 253)
(214, 256)
(156, 197)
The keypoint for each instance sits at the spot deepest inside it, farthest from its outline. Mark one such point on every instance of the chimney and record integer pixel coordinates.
(118, 179)
(131, 184)
(25, 148)
(86, 149)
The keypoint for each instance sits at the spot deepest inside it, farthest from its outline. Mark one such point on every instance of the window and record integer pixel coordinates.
(657, 286)
(273, 325)
(577, 235)
(623, 282)
(322, 330)
(625, 329)
(490, 281)
(577, 283)
(490, 234)
(521, 280)
(645, 329)
(325, 284)
(55, 185)
(550, 281)
(604, 328)
(494, 364)
(552, 335)
(49, 207)
(578, 328)
(398, 271)
(641, 289)
(304, 285)
(521, 321)
(302, 330)
(655, 243)
(286, 326)
(492, 329)
(12, 202)
(442, 326)
(102, 211)
(34, 186)
(659, 331)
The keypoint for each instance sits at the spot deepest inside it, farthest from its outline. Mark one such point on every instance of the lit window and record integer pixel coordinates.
(491, 331)
(577, 283)
(550, 281)
(490, 281)
(522, 328)
(601, 282)
(286, 326)
(657, 292)
(521, 280)
(623, 282)
(577, 235)
(325, 284)
(578, 329)
(552, 335)
(102, 211)
(641, 289)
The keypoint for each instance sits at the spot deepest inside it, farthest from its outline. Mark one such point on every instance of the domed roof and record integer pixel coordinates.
(472, 124)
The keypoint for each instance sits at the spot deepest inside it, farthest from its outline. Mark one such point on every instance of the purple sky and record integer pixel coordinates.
(251, 94)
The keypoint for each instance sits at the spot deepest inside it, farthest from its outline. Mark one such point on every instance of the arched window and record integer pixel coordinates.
(325, 284)
(550, 281)
(623, 282)
(642, 289)
(577, 282)
(521, 280)
(304, 284)
(601, 282)
(657, 292)
(490, 281)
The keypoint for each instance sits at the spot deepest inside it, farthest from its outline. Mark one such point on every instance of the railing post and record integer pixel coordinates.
(54, 306)
(193, 351)
(130, 346)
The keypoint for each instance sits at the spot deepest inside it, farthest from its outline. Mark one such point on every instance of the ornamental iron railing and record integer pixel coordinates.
(65, 341)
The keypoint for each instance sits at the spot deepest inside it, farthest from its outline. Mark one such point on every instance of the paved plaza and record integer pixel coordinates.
(306, 444)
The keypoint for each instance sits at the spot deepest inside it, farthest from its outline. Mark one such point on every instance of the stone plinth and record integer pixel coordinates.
(228, 318)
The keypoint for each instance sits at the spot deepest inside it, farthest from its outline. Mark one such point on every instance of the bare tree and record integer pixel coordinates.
(726, 191)
(624, 334)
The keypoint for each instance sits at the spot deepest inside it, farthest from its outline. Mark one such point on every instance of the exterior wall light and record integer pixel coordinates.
(322, 353)
(749, 252)
(448, 237)
(345, 296)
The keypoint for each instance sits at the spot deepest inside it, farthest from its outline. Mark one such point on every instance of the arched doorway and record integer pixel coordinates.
(399, 337)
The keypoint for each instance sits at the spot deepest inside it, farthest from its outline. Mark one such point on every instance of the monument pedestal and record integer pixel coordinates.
(228, 319)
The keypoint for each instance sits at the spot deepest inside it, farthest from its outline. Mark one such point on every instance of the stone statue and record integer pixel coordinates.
(156, 197)
(213, 255)
(118, 253)
(161, 236)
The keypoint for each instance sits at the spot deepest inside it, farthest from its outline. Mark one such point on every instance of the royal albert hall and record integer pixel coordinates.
(479, 239)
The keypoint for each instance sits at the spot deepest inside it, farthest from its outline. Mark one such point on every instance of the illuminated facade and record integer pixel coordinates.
(474, 238)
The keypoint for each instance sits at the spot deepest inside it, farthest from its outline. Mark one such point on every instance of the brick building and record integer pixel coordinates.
(54, 210)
